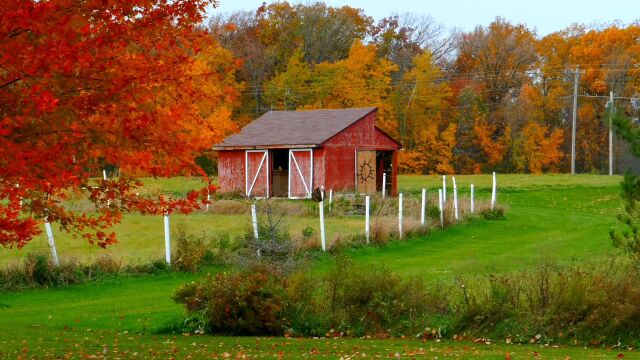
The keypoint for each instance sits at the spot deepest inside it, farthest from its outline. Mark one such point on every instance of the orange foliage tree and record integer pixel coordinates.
(84, 84)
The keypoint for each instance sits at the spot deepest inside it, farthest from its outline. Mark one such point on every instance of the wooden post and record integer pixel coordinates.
(52, 242)
(366, 217)
(493, 192)
(400, 215)
(208, 199)
(18, 187)
(472, 199)
(104, 176)
(423, 208)
(384, 184)
(254, 224)
(167, 239)
(455, 199)
(323, 239)
(440, 207)
(330, 199)
(444, 189)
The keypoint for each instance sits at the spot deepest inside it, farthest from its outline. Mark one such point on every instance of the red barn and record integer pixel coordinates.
(289, 153)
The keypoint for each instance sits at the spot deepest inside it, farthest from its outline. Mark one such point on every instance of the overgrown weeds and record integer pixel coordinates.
(548, 305)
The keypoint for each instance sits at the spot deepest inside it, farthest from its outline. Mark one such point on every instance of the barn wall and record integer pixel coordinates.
(383, 141)
(318, 168)
(340, 153)
(231, 170)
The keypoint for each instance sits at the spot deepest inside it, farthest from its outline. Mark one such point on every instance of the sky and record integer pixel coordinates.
(545, 16)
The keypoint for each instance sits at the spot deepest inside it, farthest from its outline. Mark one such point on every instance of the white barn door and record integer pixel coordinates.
(256, 173)
(300, 173)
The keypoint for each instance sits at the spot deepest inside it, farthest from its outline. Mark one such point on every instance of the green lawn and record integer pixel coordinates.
(116, 319)
(558, 218)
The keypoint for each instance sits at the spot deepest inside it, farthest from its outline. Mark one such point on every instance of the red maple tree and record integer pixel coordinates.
(89, 83)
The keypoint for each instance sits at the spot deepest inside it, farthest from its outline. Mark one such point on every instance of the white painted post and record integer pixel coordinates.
(493, 192)
(104, 176)
(400, 215)
(366, 217)
(254, 224)
(455, 199)
(440, 207)
(423, 208)
(17, 187)
(208, 198)
(330, 199)
(323, 240)
(444, 189)
(52, 242)
(384, 184)
(472, 200)
(167, 239)
(254, 221)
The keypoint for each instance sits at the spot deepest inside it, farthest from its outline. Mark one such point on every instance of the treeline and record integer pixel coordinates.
(497, 98)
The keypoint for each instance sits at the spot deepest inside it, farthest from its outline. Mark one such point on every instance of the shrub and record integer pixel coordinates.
(190, 250)
(496, 213)
(238, 304)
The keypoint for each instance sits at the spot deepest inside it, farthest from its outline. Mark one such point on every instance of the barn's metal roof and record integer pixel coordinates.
(305, 128)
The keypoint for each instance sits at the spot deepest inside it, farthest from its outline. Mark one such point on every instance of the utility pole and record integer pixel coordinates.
(576, 75)
(610, 133)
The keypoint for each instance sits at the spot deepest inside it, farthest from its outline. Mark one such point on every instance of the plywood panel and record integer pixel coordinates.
(366, 172)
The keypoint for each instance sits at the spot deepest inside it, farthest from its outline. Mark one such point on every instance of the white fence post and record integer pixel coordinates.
(455, 199)
(423, 208)
(440, 207)
(493, 192)
(167, 239)
(52, 242)
(400, 215)
(366, 218)
(323, 239)
(104, 174)
(208, 198)
(384, 184)
(444, 189)
(472, 200)
(330, 199)
(254, 224)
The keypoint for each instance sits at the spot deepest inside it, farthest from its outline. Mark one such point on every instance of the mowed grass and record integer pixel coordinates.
(555, 218)
(118, 319)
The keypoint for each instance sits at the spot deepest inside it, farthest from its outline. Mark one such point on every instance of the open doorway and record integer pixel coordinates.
(384, 164)
(280, 172)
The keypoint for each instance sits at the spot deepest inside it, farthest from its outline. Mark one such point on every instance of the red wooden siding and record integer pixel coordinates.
(231, 171)
(340, 153)
(334, 162)
(318, 168)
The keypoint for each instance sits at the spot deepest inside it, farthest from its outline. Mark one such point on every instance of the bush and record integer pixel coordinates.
(237, 304)
(38, 271)
(190, 250)
(350, 300)
(496, 213)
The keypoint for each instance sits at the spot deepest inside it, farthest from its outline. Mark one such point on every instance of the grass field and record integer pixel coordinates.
(116, 319)
(556, 218)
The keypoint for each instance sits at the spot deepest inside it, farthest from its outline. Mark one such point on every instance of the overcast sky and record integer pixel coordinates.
(543, 15)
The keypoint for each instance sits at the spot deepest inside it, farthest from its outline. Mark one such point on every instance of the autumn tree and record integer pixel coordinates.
(84, 84)
(426, 132)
